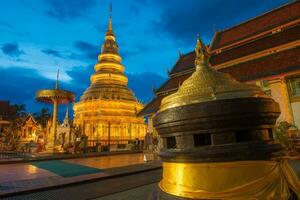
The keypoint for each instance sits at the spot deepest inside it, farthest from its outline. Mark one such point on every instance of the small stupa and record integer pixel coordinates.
(217, 139)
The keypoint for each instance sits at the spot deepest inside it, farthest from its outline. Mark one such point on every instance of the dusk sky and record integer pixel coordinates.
(37, 37)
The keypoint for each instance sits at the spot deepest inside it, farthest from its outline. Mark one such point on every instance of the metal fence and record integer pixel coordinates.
(7, 155)
(115, 145)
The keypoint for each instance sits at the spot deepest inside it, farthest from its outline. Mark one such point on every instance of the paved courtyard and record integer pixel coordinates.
(25, 171)
(42, 174)
(142, 192)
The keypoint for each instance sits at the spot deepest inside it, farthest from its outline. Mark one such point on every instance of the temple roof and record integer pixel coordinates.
(265, 66)
(172, 83)
(283, 63)
(284, 37)
(151, 107)
(257, 26)
(185, 62)
(26, 119)
(276, 52)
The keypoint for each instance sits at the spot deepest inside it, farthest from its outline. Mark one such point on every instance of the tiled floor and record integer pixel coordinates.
(23, 176)
(21, 171)
(142, 192)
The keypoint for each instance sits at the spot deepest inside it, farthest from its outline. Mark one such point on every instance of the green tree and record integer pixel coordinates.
(42, 117)
(280, 132)
(10, 134)
(20, 110)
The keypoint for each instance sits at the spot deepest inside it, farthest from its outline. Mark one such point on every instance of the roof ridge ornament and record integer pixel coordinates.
(110, 17)
(202, 56)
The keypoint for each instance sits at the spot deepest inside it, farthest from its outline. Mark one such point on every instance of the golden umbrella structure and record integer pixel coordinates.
(54, 96)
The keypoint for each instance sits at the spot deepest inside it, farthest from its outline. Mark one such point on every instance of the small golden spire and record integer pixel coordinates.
(110, 9)
(67, 114)
(201, 52)
(110, 30)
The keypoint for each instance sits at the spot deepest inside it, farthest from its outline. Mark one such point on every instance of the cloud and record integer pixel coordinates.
(135, 50)
(11, 49)
(67, 10)
(52, 53)
(80, 76)
(142, 88)
(184, 22)
(19, 86)
(88, 51)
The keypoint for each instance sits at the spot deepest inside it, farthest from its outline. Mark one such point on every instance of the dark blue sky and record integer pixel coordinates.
(39, 36)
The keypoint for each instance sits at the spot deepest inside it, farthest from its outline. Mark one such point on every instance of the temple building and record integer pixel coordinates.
(264, 50)
(108, 109)
(29, 130)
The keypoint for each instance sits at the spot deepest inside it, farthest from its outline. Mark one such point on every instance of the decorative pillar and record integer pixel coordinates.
(54, 122)
(279, 92)
(150, 125)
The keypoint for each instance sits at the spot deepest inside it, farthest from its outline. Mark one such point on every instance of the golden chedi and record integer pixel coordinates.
(108, 108)
(217, 140)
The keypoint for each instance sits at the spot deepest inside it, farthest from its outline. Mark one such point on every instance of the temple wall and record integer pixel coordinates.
(279, 92)
(296, 113)
(293, 83)
(120, 131)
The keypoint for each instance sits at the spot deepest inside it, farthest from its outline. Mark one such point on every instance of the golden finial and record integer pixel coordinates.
(110, 9)
(110, 18)
(201, 52)
(67, 113)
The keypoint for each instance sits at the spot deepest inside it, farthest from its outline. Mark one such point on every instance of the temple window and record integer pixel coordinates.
(270, 133)
(294, 88)
(243, 136)
(171, 142)
(202, 140)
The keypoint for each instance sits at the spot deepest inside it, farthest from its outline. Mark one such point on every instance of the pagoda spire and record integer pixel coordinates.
(110, 29)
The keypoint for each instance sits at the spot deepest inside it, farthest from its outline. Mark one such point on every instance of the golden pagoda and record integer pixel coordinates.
(108, 109)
